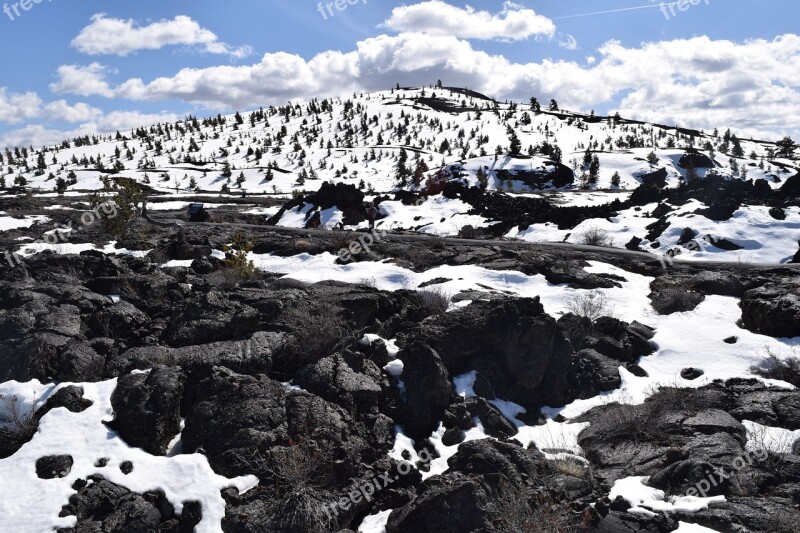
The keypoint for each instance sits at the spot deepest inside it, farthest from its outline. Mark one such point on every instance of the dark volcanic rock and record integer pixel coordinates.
(102, 506)
(257, 415)
(253, 355)
(514, 344)
(210, 318)
(691, 373)
(655, 178)
(70, 398)
(147, 408)
(54, 466)
(428, 389)
(773, 309)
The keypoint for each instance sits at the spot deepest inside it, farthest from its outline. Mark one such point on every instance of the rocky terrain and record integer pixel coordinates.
(440, 402)
(512, 349)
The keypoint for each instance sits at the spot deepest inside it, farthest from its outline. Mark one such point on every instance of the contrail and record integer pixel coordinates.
(611, 11)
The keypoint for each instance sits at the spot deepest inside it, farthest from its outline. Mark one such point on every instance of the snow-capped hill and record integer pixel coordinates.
(392, 139)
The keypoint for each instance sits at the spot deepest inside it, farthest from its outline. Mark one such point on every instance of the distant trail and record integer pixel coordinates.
(507, 244)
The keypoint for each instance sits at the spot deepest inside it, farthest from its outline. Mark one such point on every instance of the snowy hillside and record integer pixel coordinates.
(364, 139)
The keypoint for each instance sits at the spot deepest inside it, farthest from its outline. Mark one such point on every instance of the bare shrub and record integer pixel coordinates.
(518, 511)
(339, 240)
(783, 520)
(435, 300)
(591, 305)
(572, 466)
(321, 335)
(17, 425)
(299, 473)
(773, 366)
(595, 236)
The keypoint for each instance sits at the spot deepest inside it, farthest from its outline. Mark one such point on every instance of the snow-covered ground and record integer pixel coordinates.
(31, 504)
(316, 146)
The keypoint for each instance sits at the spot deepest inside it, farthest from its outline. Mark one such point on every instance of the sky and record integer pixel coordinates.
(80, 68)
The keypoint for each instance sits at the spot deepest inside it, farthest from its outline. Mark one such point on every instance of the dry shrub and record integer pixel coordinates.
(17, 425)
(518, 511)
(299, 473)
(435, 300)
(773, 366)
(339, 240)
(591, 305)
(595, 236)
(321, 335)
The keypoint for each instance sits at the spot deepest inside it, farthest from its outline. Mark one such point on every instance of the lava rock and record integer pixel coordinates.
(147, 408)
(54, 466)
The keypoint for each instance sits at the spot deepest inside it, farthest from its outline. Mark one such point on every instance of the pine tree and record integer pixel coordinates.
(616, 179)
(787, 147)
(515, 144)
(483, 179)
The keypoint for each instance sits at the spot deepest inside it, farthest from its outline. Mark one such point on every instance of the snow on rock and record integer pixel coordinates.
(11, 223)
(647, 500)
(765, 438)
(30, 504)
(375, 523)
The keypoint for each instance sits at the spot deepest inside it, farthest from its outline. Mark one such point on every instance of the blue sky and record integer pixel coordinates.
(701, 67)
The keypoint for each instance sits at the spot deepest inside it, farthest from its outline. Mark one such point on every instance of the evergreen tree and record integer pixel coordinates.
(786, 147)
(515, 144)
(483, 179)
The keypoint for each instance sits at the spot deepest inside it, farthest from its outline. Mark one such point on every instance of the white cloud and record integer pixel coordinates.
(82, 80)
(37, 135)
(80, 112)
(126, 120)
(567, 41)
(434, 17)
(110, 36)
(16, 108)
(752, 87)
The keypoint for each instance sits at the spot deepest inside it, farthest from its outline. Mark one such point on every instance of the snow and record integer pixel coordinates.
(179, 206)
(770, 439)
(648, 500)
(684, 527)
(67, 248)
(30, 504)
(375, 523)
(11, 223)
(763, 238)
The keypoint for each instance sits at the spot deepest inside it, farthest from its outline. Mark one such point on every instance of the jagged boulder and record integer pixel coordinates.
(513, 343)
(773, 309)
(147, 408)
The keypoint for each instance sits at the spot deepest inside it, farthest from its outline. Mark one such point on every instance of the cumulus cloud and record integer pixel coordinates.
(16, 108)
(39, 135)
(83, 80)
(110, 36)
(435, 17)
(80, 112)
(752, 87)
